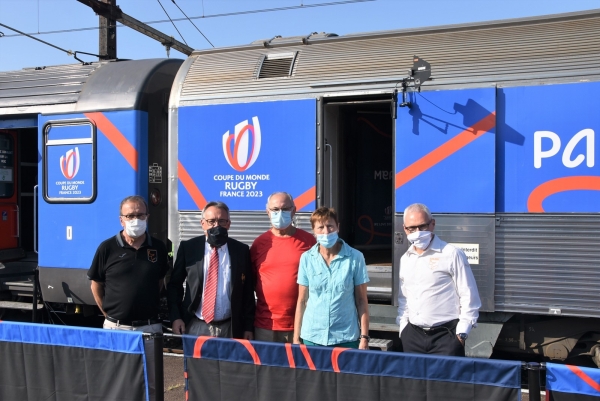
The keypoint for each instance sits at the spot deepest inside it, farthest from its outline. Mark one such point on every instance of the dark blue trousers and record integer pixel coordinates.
(440, 340)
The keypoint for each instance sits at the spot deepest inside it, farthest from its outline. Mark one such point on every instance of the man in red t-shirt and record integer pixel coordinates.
(275, 257)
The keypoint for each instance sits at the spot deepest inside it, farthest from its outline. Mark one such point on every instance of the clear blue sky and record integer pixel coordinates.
(300, 18)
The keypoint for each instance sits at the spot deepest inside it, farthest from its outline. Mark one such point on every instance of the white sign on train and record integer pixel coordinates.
(471, 250)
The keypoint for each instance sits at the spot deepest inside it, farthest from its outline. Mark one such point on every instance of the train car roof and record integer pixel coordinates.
(552, 47)
(106, 85)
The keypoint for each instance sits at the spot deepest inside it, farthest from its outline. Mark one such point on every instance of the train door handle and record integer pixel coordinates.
(35, 219)
(330, 173)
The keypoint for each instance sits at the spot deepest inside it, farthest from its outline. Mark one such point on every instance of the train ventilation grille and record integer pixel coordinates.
(276, 65)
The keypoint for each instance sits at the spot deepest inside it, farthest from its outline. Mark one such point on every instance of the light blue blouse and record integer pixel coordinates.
(331, 316)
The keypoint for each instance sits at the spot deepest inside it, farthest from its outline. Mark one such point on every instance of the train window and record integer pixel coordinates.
(7, 173)
(69, 161)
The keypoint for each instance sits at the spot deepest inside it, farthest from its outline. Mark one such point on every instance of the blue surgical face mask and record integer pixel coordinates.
(281, 219)
(328, 240)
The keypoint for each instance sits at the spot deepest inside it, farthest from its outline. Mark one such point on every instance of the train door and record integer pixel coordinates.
(18, 164)
(9, 209)
(357, 164)
(445, 157)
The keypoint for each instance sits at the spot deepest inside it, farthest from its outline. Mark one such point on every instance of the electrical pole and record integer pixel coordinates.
(107, 37)
(114, 14)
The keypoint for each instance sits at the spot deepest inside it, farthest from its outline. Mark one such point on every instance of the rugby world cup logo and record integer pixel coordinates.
(69, 163)
(241, 148)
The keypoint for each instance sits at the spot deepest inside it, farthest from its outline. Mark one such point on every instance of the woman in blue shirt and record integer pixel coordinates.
(332, 308)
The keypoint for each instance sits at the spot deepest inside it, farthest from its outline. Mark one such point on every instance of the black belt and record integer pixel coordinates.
(431, 330)
(134, 323)
(214, 322)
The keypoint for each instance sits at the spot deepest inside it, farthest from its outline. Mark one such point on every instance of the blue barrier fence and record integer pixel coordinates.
(223, 369)
(70, 363)
(572, 383)
(63, 363)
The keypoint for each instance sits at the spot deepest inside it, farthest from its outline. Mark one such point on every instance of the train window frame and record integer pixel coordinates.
(12, 167)
(49, 144)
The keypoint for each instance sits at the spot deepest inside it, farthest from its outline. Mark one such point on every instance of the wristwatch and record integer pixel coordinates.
(463, 336)
(364, 336)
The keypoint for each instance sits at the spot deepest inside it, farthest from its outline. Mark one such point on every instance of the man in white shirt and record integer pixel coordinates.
(438, 301)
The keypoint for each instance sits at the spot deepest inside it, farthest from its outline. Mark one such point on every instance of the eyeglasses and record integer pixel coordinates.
(213, 222)
(285, 209)
(422, 227)
(143, 216)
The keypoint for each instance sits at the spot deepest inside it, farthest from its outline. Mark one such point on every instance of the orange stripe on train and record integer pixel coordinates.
(115, 137)
(446, 150)
(563, 184)
(306, 198)
(190, 186)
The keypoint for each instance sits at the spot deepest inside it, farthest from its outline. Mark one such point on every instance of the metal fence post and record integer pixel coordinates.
(533, 379)
(159, 367)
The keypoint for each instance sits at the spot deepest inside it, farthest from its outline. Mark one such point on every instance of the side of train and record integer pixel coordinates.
(500, 144)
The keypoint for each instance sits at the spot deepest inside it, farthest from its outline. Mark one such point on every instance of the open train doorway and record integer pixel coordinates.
(18, 179)
(357, 165)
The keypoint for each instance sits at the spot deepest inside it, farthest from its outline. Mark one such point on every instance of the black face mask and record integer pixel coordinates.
(216, 236)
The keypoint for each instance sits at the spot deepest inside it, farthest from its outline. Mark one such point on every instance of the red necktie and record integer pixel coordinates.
(210, 289)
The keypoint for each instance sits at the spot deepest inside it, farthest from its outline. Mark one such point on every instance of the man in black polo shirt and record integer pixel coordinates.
(127, 272)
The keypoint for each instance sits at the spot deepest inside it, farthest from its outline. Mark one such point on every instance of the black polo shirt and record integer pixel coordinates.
(130, 277)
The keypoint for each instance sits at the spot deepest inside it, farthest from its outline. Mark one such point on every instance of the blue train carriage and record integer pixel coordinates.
(500, 143)
(79, 138)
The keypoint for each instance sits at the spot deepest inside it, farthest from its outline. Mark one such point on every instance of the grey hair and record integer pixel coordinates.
(218, 205)
(135, 199)
(281, 193)
(417, 207)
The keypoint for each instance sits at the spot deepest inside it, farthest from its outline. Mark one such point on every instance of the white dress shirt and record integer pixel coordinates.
(436, 287)
(223, 304)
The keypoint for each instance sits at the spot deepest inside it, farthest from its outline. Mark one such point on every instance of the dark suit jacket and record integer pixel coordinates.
(190, 262)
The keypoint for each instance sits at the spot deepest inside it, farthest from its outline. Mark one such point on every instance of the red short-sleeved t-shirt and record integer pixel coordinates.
(275, 262)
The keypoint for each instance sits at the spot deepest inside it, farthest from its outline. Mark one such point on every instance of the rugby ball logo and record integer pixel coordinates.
(241, 148)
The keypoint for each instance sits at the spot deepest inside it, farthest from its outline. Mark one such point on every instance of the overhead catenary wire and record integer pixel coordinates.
(264, 10)
(174, 26)
(193, 22)
(69, 52)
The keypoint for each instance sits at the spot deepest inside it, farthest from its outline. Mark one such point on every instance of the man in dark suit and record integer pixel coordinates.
(219, 295)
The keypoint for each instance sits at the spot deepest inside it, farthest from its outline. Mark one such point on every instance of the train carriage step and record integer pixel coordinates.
(381, 343)
(22, 283)
(20, 288)
(19, 305)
